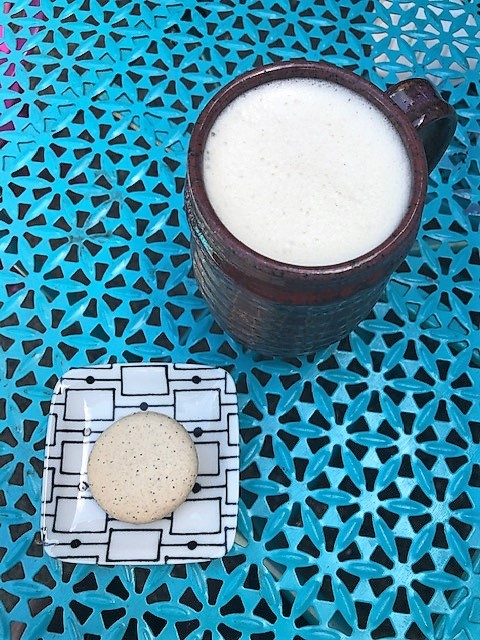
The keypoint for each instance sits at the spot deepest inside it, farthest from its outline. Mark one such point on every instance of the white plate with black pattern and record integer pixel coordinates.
(88, 400)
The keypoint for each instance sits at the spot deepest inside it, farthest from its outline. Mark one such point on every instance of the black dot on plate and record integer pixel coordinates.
(196, 487)
(196, 379)
(197, 432)
(144, 406)
(75, 543)
(90, 380)
(192, 545)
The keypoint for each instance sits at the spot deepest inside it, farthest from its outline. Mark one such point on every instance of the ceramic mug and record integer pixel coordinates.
(286, 310)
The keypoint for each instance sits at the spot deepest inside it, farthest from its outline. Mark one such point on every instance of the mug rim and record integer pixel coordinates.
(323, 71)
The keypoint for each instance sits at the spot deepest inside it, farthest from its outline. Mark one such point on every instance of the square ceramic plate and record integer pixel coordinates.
(88, 400)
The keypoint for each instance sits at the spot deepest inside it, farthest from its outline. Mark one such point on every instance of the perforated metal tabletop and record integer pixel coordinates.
(360, 489)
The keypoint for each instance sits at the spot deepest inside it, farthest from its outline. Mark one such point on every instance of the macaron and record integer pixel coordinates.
(142, 467)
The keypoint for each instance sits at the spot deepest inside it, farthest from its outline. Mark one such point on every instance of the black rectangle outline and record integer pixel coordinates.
(134, 560)
(65, 419)
(219, 472)
(230, 429)
(73, 533)
(157, 365)
(51, 485)
(52, 426)
(62, 456)
(219, 419)
(199, 533)
(226, 486)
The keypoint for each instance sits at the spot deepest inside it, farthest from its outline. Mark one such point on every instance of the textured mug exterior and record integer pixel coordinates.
(280, 309)
(271, 327)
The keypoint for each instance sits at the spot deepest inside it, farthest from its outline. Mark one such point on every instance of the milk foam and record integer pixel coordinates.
(306, 172)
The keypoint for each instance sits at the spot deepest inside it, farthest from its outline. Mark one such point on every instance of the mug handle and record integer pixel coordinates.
(433, 119)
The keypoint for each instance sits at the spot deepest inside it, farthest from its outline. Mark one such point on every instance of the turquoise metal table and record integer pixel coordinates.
(360, 491)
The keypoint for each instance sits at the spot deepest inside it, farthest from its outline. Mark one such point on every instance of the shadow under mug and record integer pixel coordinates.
(280, 309)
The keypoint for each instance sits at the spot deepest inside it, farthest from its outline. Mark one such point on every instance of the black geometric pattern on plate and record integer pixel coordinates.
(86, 402)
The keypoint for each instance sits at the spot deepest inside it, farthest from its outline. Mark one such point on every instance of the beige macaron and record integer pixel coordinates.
(142, 467)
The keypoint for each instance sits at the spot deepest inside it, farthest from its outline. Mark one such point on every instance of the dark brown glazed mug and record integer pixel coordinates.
(285, 310)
